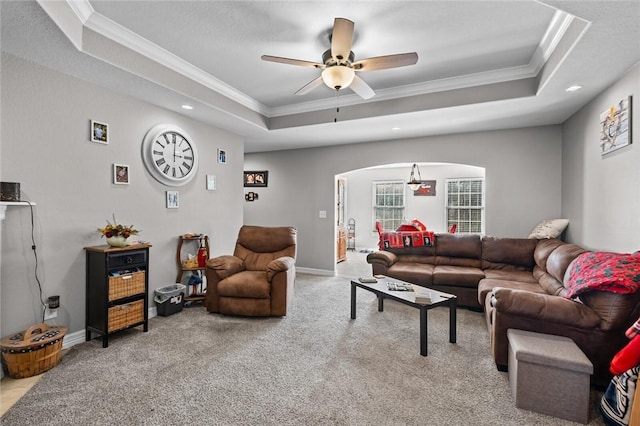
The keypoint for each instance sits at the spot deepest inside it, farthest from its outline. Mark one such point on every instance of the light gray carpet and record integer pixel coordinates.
(315, 367)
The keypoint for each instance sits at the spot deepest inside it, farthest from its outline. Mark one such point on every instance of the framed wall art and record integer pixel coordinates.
(251, 196)
(99, 132)
(121, 174)
(427, 188)
(256, 178)
(172, 200)
(222, 156)
(615, 126)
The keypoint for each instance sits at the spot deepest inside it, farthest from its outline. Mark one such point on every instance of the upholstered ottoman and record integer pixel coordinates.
(549, 375)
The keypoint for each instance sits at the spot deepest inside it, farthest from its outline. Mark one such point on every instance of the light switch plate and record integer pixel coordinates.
(211, 182)
(322, 214)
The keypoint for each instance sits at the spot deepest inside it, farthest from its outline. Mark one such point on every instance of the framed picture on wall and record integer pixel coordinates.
(256, 178)
(222, 156)
(615, 126)
(172, 200)
(427, 188)
(121, 174)
(99, 132)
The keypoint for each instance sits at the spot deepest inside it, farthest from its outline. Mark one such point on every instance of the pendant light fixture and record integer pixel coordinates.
(414, 183)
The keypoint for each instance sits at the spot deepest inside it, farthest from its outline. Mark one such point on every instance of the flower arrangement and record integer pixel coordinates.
(117, 230)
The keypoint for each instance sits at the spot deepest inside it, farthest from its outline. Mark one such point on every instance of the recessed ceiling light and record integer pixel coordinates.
(573, 88)
(185, 106)
(395, 128)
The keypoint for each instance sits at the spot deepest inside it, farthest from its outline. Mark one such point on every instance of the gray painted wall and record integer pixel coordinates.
(430, 210)
(45, 147)
(523, 182)
(601, 194)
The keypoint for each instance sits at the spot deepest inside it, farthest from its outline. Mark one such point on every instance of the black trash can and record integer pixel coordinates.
(170, 299)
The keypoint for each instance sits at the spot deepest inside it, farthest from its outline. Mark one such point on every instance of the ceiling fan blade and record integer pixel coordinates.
(361, 88)
(341, 39)
(384, 62)
(310, 86)
(292, 61)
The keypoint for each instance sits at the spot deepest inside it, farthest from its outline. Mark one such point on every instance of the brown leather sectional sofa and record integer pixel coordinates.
(519, 283)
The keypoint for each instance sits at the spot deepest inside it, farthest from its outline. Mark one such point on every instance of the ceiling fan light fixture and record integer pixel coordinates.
(338, 76)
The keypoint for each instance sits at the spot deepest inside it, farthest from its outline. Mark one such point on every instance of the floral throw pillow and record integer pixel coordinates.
(604, 271)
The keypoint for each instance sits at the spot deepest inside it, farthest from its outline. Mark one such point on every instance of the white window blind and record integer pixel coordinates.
(388, 203)
(465, 205)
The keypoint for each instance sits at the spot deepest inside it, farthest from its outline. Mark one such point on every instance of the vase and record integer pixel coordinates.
(118, 241)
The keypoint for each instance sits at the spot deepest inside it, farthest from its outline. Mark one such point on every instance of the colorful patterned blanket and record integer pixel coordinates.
(405, 239)
(604, 271)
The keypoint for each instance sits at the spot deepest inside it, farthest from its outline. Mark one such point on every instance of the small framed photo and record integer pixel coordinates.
(222, 156)
(121, 174)
(427, 188)
(251, 196)
(256, 178)
(99, 132)
(172, 200)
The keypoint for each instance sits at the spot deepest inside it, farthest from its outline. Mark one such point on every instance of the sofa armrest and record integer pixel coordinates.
(383, 257)
(543, 307)
(281, 264)
(225, 266)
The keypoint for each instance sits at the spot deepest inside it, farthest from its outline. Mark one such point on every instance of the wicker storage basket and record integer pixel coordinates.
(33, 351)
(126, 285)
(122, 316)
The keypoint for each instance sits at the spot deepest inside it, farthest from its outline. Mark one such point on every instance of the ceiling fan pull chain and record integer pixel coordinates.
(335, 120)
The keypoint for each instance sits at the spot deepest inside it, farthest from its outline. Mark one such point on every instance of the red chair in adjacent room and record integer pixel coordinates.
(453, 228)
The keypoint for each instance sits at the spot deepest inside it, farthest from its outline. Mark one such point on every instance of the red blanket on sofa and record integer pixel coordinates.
(604, 271)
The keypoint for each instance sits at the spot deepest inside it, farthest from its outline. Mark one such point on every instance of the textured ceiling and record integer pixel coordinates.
(482, 64)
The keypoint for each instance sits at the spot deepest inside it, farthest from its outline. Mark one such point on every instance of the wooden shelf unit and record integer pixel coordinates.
(200, 239)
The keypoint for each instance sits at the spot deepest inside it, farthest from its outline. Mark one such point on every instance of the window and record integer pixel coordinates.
(388, 203)
(465, 205)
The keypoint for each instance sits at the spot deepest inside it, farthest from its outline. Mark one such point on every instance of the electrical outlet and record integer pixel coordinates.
(50, 313)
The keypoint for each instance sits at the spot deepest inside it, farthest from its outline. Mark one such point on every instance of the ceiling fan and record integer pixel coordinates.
(339, 68)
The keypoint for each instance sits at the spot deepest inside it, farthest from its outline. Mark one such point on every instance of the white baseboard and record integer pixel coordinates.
(314, 271)
(78, 337)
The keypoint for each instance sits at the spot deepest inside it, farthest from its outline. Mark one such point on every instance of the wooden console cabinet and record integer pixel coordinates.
(117, 289)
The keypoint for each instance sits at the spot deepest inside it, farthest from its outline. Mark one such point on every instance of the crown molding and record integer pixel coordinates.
(88, 18)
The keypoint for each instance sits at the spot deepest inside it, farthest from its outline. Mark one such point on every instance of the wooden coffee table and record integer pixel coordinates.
(438, 298)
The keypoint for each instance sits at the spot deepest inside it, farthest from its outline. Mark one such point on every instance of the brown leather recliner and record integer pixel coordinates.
(258, 279)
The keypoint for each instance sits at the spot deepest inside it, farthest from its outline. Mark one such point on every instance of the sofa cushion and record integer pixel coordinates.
(458, 276)
(614, 272)
(543, 249)
(549, 228)
(250, 284)
(413, 272)
(614, 309)
(458, 250)
(508, 253)
(508, 275)
(487, 285)
(558, 262)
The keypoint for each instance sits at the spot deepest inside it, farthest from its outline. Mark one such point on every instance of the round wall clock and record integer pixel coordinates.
(169, 155)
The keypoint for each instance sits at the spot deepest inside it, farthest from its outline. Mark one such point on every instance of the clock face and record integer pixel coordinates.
(169, 155)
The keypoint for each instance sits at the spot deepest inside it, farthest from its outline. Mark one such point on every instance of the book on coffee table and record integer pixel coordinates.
(423, 296)
(394, 286)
